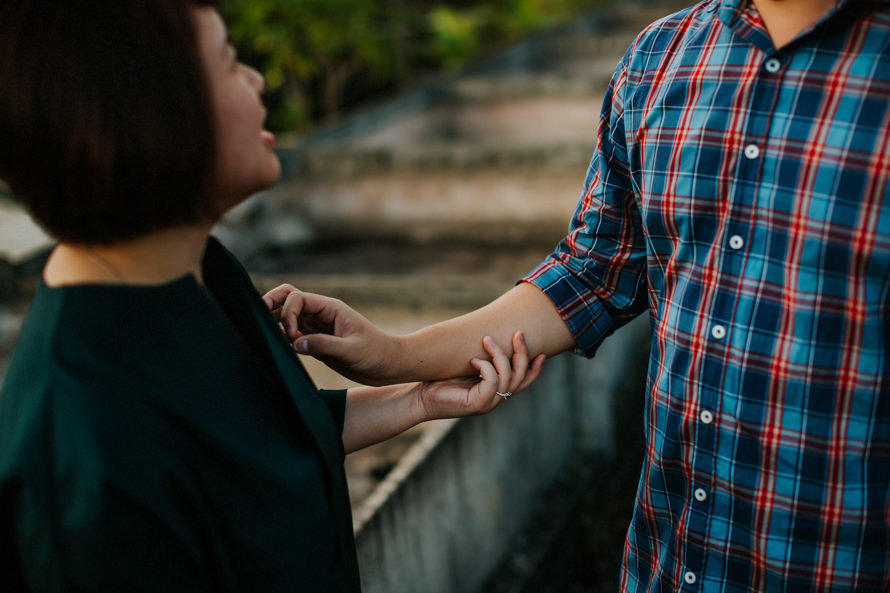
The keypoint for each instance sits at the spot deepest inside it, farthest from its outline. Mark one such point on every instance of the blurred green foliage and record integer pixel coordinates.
(323, 57)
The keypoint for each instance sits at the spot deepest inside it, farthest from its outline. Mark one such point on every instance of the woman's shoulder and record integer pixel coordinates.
(94, 344)
(87, 329)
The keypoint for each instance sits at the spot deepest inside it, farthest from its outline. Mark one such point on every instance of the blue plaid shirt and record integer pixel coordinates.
(739, 193)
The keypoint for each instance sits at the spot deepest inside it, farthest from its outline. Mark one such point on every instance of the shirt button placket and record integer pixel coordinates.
(705, 416)
(706, 439)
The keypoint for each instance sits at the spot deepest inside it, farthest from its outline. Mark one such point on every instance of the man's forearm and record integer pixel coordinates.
(443, 350)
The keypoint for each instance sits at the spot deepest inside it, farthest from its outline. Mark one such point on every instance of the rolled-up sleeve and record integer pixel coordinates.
(596, 277)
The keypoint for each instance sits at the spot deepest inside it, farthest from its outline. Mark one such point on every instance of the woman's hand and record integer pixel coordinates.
(336, 334)
(374, 414)
(498, 380)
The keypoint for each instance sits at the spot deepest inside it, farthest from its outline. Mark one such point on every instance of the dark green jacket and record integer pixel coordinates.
(168, 439)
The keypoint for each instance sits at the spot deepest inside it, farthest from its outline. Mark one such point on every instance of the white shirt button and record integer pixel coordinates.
(700, 495)
(736, 242)
(718, 332)
(752, 151)
(689, 577)
(772, 65)
(706, 416)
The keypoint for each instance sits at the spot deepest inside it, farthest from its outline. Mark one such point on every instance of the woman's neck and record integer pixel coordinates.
(153, 259)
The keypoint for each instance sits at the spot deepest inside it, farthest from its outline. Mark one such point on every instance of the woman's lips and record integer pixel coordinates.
(268, 138)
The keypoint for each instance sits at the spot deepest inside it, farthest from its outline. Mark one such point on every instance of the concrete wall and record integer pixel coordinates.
(451, 511)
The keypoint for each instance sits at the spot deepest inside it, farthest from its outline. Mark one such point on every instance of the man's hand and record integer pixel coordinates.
(351, 345)
(336, 334)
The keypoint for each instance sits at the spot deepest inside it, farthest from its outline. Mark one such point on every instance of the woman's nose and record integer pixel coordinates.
(256, 79)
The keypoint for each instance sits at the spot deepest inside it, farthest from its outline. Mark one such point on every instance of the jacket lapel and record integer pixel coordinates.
(231, 286)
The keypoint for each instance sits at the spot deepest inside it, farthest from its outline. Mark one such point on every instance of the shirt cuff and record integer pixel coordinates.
(587, 318)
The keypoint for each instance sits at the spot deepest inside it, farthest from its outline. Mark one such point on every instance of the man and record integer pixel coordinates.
(739, 193)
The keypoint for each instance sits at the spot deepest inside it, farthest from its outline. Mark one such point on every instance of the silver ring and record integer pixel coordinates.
(506, 396)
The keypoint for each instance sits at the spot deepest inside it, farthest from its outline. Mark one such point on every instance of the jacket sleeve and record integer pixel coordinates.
(335, 399)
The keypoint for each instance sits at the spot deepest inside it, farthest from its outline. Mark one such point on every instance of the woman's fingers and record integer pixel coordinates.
(497, 379)
(513, 373)
(534, 370)
(501, 364)
(520, 361)
(488, 373)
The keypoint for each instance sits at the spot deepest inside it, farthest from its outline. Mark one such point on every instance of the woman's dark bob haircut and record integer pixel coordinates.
(105, 125)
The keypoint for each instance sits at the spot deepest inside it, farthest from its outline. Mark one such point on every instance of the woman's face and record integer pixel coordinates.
(245, 157)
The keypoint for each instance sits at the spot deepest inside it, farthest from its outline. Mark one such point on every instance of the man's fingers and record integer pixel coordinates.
(275, 298)
(302, 312)
(289, 315)
(324, 347)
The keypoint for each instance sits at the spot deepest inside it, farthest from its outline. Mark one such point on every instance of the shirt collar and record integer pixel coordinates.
(728, 11)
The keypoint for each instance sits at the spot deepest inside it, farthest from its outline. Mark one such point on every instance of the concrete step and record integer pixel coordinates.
(513, 132)
(457, 280)
(495, 155)
(489, 209)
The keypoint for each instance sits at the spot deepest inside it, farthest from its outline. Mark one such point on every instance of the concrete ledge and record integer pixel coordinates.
(441, 528)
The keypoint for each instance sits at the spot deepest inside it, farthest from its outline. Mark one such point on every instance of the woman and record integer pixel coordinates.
(157, 432)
